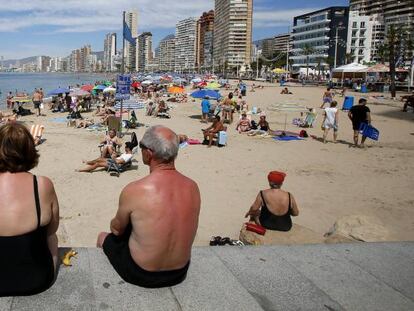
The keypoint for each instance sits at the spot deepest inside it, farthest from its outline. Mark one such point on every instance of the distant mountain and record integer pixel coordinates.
(20, 62)
(99, 55)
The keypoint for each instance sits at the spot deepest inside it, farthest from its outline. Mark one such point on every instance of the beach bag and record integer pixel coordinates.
(253, 125)
(369, 131)
(222, 138)
(193, 141)
(303, 133)
(255, 228)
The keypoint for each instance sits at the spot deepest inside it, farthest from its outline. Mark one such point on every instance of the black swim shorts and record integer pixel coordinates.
(117, 250)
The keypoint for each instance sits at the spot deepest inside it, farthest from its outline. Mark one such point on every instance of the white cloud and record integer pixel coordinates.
(95, 15)
(276, 18)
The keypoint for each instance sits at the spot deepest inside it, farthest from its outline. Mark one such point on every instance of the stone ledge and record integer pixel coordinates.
(358, 276)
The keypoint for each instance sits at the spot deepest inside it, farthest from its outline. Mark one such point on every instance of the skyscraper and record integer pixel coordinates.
(205, 28)
(144, 51)
(131, 51)
(185, 45)
(166, 55)
(232, 32)
(109, 52)
(314, 37)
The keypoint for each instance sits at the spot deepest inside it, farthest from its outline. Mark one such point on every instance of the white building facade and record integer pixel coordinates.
(109, 52)
(185, 45)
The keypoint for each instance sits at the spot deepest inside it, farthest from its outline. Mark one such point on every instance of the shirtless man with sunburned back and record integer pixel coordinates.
(157, 219)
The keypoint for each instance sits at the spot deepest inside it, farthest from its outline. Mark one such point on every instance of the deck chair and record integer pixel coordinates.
(309, 120)
(36, 131)
(117, 169)
(114, 123)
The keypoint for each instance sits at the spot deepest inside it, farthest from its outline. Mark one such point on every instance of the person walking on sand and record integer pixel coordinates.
(327, 97)
(330, 121)
(154, 228)
(359, 114)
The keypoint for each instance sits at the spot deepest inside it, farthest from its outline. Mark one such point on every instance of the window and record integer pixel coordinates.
(354, 33)
(362, 24)
(361, 52)
(354, 25)
(353, 42)
(361, 42)
(362, 33)
(352, 51)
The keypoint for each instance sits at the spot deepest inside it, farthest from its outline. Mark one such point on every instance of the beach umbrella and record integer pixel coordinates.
(202, 84)
(175, 90)
(109, 90)
(213, 86)
(279, 70)
(203, 93)
(78, 92)
(87, 87)
(58, 91)
(196, 80)
(107, 83)
(99, 87)
(130, 105)
(147, 82)
(136, 84)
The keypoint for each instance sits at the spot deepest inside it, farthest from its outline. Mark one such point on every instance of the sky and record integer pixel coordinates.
(56, 27)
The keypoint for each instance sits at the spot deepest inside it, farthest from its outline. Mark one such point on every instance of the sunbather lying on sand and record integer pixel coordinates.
(103, 162)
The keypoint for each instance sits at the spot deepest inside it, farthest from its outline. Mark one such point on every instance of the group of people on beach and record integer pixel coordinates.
(148, 245)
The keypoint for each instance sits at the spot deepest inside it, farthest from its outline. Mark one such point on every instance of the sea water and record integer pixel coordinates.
(27, 82)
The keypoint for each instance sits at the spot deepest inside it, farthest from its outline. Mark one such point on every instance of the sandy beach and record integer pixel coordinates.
(329, 181)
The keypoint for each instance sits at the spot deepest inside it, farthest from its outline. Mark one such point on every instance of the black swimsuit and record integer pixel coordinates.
(26, 264)
(116, 248)
(273, 222)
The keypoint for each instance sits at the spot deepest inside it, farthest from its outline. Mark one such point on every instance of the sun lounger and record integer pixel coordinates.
(36, 131)
(116, 168)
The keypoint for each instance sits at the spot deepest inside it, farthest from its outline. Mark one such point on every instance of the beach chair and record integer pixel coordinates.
(36, 130)
(309, 120)
(114, 123)
(116, 169)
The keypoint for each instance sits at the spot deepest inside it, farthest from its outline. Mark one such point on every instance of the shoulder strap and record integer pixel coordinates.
(264, 202)
(290, 202)
(37, 201)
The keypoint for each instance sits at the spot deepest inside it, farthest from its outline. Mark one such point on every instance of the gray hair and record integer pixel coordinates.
(164, 148)
(275, 186)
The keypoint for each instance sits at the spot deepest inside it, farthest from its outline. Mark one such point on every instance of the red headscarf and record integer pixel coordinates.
(276, 177)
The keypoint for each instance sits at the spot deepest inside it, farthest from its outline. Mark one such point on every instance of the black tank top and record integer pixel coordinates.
(273, 222)
(26, 264)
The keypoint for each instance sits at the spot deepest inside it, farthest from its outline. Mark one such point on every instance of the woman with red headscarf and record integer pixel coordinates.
(274, 207)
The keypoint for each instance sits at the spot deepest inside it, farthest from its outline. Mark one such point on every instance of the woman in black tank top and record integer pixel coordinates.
(26, 262)
(260, 213)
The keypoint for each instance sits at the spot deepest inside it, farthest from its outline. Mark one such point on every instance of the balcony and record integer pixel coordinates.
(324, 38)
(324, 21)
(295, 34)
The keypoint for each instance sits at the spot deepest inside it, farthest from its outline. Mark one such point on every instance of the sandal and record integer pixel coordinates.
(215, 240)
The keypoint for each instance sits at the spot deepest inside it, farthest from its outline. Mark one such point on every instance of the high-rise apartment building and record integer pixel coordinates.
(42, 63)
(145, 55)
(232, 32)
(109, 52)
(399, 13)
(320, 37)
(166, 54)
(131, 51)
(85, 51)
(282, 43)
(185, 45)
(205, 29)
(365, 35)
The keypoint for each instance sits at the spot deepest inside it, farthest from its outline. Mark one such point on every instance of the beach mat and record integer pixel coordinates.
(59, 120)
(287, 138)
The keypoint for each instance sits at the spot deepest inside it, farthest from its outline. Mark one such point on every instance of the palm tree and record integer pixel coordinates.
(349, 57)
(307, 50)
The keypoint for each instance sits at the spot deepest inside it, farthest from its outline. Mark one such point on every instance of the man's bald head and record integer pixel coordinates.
(163, 143)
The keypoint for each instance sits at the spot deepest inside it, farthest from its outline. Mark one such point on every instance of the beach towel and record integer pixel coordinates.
(287, 138)
(193, 141)
(59, 120)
